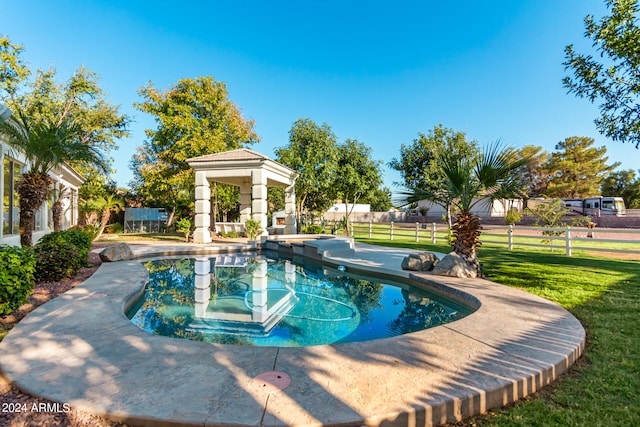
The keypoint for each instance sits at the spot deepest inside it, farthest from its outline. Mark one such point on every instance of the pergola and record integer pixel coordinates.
(253, 173)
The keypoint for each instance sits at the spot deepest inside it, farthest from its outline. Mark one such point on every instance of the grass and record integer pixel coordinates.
(602, 389)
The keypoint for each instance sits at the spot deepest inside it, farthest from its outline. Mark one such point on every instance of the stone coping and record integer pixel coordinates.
(81, 349)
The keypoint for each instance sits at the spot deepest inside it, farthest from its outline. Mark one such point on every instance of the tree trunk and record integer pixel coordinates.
(33, 190)
(104, 221)
(172, 217)
(56, 212)
(466, 231)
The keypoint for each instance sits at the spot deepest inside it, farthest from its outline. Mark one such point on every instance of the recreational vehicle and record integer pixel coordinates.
(596, 206)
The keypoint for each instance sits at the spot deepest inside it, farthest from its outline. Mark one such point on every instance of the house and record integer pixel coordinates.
(483, 208)
(12, 164)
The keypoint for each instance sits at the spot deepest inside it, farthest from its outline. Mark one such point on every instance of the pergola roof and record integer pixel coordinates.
(229, 156)
(233, 167)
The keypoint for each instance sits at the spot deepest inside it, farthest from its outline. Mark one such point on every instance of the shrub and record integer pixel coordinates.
(185, 226)
(254, 229)
(80, 239)
(55, 260)
(513, 216)
(115, 228)
(92, 230)
(312, 229)
(230, 234)
(17, 268)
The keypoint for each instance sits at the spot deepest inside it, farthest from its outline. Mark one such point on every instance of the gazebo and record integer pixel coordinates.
(253, 173)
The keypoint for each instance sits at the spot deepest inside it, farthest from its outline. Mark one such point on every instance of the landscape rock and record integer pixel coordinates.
(120, 252)
(454, 265)
(420, 261)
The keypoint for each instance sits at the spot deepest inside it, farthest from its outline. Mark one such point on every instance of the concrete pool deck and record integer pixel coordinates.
(81, 349)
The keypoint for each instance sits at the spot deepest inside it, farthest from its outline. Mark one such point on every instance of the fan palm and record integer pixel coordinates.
(468, 182)
(45, 146)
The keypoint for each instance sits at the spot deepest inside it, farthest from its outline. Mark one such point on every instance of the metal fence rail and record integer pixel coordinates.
(569, 238)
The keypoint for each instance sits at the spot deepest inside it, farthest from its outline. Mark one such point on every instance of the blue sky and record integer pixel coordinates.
(380, 72)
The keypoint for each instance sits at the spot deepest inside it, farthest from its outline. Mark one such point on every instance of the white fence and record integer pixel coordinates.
(565, 238)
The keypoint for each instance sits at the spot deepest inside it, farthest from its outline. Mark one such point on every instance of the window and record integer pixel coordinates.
(11, 201)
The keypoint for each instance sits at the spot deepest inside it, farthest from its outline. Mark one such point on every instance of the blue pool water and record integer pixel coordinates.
(254, 300)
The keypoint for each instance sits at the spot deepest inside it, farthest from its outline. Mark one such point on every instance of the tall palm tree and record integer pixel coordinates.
(45, 146)
(490, 176)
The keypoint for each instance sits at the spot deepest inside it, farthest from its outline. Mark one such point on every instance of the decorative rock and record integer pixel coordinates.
(420, 261)
(455, 266)
(119, 252)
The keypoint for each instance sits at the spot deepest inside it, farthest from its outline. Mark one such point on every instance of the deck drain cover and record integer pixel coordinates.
(272, 381)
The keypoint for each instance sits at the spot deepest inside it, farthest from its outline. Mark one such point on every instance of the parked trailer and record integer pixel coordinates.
(596, 206)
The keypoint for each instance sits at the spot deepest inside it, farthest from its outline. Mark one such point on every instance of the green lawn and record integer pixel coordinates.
(407, 233)
(602, 389)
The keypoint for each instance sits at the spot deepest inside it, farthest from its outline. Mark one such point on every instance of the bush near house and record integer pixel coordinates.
(56, 260)
(78, 238)
(17, 268)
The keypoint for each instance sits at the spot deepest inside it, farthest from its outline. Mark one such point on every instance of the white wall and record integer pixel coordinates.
(483, 208)
(341, 208)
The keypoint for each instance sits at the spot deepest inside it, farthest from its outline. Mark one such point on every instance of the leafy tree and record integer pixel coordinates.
(419, 162)
(533, 174)
(551, 215)
(80, 100)
(226, 198)
(379, 199)
(490, 175)
(313, 152)
(357, 175)
(614, 78)
(577, 168)
(194, 117)
(54, 124)
(623, 184)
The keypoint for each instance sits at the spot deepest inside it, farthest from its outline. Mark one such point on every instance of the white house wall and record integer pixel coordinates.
(483, 208)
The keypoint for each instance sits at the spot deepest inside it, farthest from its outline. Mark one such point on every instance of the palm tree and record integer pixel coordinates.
(106, 205)
(45, 146)
(56, 196)
(490, 176)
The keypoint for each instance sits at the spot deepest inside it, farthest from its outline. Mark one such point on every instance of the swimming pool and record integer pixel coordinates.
(245, 299)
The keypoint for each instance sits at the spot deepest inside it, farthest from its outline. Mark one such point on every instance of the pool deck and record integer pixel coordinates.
(81, 349)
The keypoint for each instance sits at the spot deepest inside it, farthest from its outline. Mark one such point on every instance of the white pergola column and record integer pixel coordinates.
(259, 286)
(290, 220)
(202, 286)
(259, 196)
(245, 202)
(202, 234)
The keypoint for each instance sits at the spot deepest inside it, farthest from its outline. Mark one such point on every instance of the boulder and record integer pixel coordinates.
(120, 252)
(455, 266)
(420, 261)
